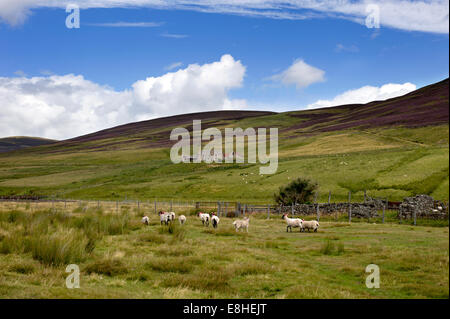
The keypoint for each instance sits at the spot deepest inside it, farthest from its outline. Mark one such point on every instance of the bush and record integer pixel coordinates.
(299, 191)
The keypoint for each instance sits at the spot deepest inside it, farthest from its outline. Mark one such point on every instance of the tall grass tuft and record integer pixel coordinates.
(61, 247)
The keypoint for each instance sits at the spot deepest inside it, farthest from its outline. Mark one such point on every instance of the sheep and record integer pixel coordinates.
(215, 220)
(292, 222)
(145, 220)
(310, 224)
(164, 217)
(440, 208)
(241, 223)
(182, 219)
(205, 218)
(171, 216)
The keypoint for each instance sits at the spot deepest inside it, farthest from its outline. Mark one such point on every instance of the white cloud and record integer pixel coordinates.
(66, 106)
(366, 94)
(411, 15)
(173, 66)
(301, 74)
(343, 48)
(127, 24)
(174, 36)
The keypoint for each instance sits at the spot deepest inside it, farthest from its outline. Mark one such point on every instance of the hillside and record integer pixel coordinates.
(393, 148)
(19, 142)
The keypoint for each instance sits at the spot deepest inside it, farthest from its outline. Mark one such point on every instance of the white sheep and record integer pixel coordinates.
(205, 218)
(171, 216)
(215, 220)
(145, 220)
(310, 224)
(292, 222)
(241, 223)
(440, 208)
(182, 219)
(164, 217)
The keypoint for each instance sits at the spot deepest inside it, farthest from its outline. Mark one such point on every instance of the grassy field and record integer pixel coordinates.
(393, 163)
(121, 258)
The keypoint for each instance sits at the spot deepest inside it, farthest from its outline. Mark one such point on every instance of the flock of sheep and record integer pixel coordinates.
(205, 218)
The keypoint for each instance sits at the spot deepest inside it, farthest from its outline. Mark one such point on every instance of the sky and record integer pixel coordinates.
(133, 60)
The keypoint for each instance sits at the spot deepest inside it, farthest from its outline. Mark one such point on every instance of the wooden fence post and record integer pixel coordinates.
(329, 197)
(226, 209)
(292, 209)
(349, 206)
(318, 212)
(415, 216)
(384, 208)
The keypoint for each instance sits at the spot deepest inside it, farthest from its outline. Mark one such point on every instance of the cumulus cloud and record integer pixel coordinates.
(411, 15)
(66, 106)
(366, 94)
(301, 74)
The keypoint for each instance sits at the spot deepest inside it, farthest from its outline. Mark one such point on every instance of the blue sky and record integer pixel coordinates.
(346, 56)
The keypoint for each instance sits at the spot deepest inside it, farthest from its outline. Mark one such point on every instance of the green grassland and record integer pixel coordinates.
(392, 162)
(121, 258)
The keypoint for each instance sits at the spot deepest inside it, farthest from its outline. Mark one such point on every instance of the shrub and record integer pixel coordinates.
(299, 191)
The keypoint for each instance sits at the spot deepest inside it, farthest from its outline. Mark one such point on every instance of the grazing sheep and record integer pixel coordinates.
(171, 216)
(164, 217)
(241, 223)
(215, 220)
(182, 219)
(145, 220)
(310, 224)
(292, 222)
(205, 218)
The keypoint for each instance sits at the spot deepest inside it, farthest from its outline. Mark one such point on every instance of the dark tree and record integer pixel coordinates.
(299, 191)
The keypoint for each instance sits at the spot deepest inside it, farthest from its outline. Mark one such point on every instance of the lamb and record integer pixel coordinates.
(241, 223)
(310, 224)
(145, 220)
(205, 218)
(164, 217)
(182, 219)
(215, 220)
(292, 222)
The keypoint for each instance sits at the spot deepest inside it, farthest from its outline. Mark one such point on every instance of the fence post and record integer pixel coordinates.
(218, 208)
(318, 212)
(268, 211)
(139, 206)
(171, 203)
(329, 197)
(415, 216)
(155, 206)
(349, 206)
(117, 206)
(365, 196)
(384, 208)
(245, 206)
(98, 204)
(292, 209)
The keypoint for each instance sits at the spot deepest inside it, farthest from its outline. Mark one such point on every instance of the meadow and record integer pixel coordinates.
(391, 163)
(119, 257)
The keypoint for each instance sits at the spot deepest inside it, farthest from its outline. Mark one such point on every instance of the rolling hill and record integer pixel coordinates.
(392, 148)
(19, 142)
